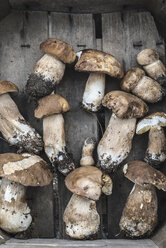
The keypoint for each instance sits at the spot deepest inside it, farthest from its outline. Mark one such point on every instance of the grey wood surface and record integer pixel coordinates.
(4, 8)
(146, 243)
(20, 36)
(124, 35)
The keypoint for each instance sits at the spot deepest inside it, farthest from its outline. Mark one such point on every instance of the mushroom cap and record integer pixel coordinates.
(131, 79)
(147, 56)
(85, 181)
(125, 105)
(98, 61)
(26, 169)
(60, 49)
(141, 173)
(52, 104)
(155, 119)
(7, 86)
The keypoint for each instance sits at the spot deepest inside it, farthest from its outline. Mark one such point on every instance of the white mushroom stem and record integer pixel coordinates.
(87, 152)
(14, 211)
(15, 129)
(55, 143)
(94, 92)
(116, 142)
(156, 151)
(81, 217)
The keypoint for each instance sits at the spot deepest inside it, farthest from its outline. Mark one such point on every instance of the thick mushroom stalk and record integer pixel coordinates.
(14, 211)
(81, 217)
(50, 69)
(15, 129)
(156, 151)
(139, 216)
(116, 142)
(149, 58)
(50, 108)
(142, 86)
(98, 64)
(19, 171)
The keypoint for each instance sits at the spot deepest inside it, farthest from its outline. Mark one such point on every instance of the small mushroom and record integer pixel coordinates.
(149, 58)
(13, 126)
(116, 142)
(97, 63)
(139, 216)
(81, 217)
(50, 69)
(154, 123)
(142, 86)
(50, 108)
(18, 171)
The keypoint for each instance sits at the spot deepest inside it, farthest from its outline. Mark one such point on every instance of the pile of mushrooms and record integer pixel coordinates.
(98, 64)
(50, 108)
(116, 142)
(139, 216)
(50, 69)
(86, 183)
(19, 171)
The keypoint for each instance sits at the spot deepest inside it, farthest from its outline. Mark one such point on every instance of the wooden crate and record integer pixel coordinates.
(121, 28)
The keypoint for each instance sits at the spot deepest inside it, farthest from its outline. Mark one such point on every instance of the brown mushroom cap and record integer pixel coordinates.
(125, 105)
(85, 181)
(147, 56)
(98, 61)
(26, 169)
(7, 86)
(141, 173)
(60, 49)
(155, 119)
(131, 79)
(52, 104)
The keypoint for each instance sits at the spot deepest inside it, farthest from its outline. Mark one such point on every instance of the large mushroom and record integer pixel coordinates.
(142, 86)
(139, 216)
(13, 126)
(50, 69)
(81, 217)
(149, 58)
(50, 108)
(18, 171)
(154, 123)
(97, 63)
(116, 142)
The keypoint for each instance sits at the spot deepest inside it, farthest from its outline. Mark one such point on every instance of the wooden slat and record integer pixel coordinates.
(20, 35)
(124, 35)
(4, 8)
(77, 30)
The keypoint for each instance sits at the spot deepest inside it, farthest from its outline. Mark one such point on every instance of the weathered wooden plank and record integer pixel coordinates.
(124, 35)
(77, 30)
(21, 33)
(4, 8)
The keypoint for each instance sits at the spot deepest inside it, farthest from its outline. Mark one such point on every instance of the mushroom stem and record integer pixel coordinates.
(15, 129)
(55, 144)
(14, 211)
(87, 152)
(94, 92)
(156, 151)
(81, 217)
(139, 216)
(116, 142)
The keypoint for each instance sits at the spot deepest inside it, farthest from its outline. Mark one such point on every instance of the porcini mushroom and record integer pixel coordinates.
(154, 123)
(81, 217)
(142, 86)
(139, 216)
(97, 63)
(149, 58)
(13, 126)
(50, 108)
(18, 171)
(49, 70)
(116, 142)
